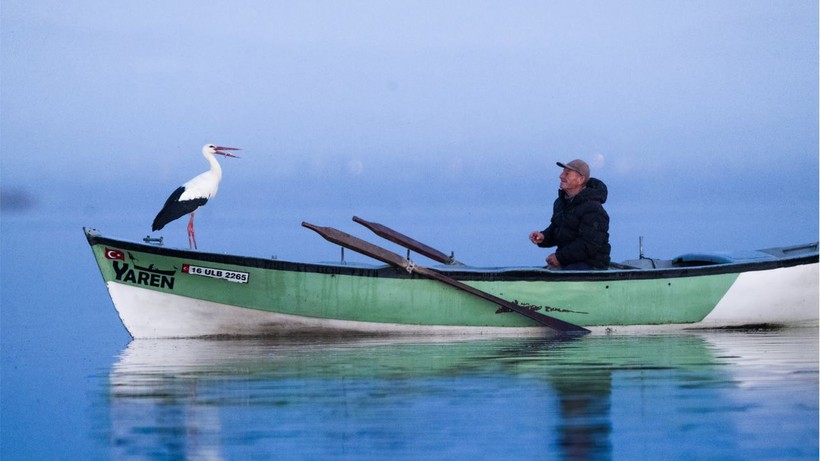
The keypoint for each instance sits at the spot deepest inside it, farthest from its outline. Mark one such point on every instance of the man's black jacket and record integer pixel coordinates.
(580, 227)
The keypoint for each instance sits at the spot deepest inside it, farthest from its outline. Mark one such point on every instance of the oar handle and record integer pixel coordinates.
(356, 244)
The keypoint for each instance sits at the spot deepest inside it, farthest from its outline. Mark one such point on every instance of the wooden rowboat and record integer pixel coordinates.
(162, 292)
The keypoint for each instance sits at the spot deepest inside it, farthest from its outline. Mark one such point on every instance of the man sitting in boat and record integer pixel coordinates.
(579, 227)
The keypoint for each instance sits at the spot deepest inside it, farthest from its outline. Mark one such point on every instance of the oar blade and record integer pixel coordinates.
(405, 241)
(552, 322)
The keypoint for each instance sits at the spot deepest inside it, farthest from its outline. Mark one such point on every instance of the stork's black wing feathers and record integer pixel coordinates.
(175, 209)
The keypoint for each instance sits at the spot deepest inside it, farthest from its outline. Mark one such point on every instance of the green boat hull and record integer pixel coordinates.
(163, 292)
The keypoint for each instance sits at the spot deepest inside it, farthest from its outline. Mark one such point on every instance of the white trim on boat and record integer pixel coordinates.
(153, 314)
(783, 296)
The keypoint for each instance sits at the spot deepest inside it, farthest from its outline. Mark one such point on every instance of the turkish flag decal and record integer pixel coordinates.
(114, 254)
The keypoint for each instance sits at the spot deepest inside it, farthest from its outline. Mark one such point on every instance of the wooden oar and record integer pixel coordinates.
(411, 244)
(376, 252)
(407, 242)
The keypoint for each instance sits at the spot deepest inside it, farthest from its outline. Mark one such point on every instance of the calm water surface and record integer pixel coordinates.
(74, 386)
(725, 395)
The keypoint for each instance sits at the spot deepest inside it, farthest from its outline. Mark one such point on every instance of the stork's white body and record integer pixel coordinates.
(205, 184)
(193, 194)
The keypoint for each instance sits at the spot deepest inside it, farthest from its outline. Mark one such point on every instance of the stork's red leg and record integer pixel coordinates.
(191, 234)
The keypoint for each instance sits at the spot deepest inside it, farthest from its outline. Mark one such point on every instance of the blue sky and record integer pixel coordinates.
(699, 115)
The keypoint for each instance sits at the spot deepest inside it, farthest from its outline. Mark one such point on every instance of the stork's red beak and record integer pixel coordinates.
(219, 150)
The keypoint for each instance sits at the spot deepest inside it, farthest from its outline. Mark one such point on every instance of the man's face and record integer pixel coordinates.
(571, 181)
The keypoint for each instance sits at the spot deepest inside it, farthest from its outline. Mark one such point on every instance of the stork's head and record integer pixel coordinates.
(218, 150)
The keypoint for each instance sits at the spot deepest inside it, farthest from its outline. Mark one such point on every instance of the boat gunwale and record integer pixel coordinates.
(481, 274)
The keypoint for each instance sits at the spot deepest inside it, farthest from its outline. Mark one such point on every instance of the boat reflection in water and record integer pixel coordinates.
(682, 396)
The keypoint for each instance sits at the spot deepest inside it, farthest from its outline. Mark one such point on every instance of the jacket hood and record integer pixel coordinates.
(594, 190)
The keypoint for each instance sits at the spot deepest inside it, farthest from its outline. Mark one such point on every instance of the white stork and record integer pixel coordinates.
(194, 193)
